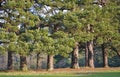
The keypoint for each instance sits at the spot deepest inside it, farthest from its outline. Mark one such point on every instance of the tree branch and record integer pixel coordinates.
(113, 48)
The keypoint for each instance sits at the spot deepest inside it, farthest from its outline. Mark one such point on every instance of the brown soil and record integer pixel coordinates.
(67, 71)
(82, 70)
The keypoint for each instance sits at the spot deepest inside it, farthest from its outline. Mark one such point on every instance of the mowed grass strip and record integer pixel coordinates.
(106, 74)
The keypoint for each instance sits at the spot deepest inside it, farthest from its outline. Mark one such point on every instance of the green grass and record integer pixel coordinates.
(100, 74)
(106, 74)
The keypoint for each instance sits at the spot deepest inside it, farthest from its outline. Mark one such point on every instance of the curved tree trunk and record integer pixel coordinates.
(23, 63)
(91, 54)
(75, 58)
(86, 55)
(105, 56)
(10, 61)
(50, 62)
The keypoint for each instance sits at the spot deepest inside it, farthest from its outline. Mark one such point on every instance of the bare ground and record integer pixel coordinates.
(80, 70)
(86, 69)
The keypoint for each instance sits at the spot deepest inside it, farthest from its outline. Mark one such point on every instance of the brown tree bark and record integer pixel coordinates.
(75, 58)
(10, 61)
(50, 62)
(86, 55)
(90, 54)
(38, 60)
(23, 63)
(105, 56)
(90, 47)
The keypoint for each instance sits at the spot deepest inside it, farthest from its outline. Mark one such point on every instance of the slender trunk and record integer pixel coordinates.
(105, 56)
(86, 55)
(91, 54)
(75, 59)
(10, 61)
(50, 62)
(23, 63)
(38, 60)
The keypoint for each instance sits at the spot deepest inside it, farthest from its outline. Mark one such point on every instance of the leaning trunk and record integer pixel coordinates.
(23, 63)
(38, 60)
(86, 55)
(105, 56)
(75, 59)
(91, 54)
(10, 61)
(50, 62)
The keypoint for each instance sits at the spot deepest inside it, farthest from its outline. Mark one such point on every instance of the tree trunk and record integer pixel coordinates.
(50, 62)
(23, 63)
(90, 54)
(105, 56)
(38, 60)
(75, 59)
(86, 55)
(10, 61)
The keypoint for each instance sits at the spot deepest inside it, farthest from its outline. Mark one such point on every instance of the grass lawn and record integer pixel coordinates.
(65, 73)
(106, 74)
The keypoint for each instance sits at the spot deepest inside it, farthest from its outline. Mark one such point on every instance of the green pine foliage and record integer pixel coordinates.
(57, 33)
(2, 50)
(63, 43)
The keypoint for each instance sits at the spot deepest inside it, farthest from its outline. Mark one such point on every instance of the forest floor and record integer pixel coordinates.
(68, 70)
(86, 69)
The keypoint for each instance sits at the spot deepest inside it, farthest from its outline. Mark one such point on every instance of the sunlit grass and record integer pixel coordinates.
(82, 72)
(106, 74)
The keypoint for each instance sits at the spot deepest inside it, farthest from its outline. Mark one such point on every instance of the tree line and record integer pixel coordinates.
(59, 27)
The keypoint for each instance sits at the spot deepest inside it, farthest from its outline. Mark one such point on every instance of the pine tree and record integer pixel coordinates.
(64, 44)
(108, 30)
(12, 38)
(70, 20)
(64, 26)
(37, 45)
(19, 19)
